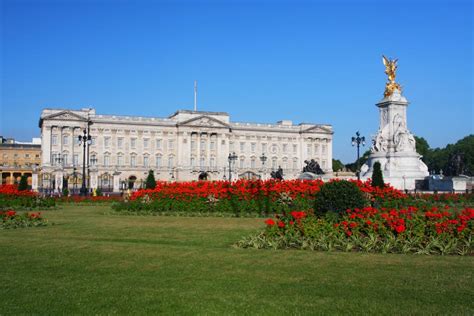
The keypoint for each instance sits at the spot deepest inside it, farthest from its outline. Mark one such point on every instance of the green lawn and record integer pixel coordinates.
(91, 263)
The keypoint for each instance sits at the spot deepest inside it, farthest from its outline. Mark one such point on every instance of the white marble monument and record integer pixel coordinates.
(394, 145)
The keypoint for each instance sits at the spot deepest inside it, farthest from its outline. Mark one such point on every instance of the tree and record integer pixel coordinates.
(377, 176)
(362, 160)
(23, 183)
(422, 147)
(150, 180)
(337, 165)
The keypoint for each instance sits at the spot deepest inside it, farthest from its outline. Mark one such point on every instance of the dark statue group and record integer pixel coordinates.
(313, 167)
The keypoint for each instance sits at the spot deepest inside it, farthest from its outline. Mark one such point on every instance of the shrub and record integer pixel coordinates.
(23, 183)
(377, 176)
(150, 180)
(338, 196)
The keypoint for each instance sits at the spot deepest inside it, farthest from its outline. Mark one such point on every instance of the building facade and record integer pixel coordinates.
(182, 147)
(17, 159)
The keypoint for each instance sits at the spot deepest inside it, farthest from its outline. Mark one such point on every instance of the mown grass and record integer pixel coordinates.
(91, 263)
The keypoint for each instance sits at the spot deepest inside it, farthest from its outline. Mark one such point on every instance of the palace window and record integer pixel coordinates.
(285, 148)
(75, 159)
(213, 162)
(107, 142)
(274, 163)
(264, 148)
(120, 142)
(309, 152)
(133, 143)
(193, 162)
(106, 160)
(145, 161)
(65, 140)
(170, 144)
(253, 147)
(213, 145)
(120, 160)
(242, 162)
(323, 149)
(242, 146)
(146, 142)
(158, 161)
(170, 162)
(295, 163)
(54, 139)
(295, 148)
(158, 144)
(133, 160)
(252, 163)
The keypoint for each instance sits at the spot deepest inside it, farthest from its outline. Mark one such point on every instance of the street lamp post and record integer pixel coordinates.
(357, 141)
(232, 157)
(263, 159)
(85, 140)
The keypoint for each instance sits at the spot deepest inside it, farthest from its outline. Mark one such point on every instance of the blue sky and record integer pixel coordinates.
(260, 61)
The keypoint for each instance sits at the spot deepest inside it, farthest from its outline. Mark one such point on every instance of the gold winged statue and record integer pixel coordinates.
(390, 70)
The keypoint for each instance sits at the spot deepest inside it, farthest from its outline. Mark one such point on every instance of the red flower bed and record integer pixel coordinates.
(11, 219)
(79, 199)
(12, 190)
(252, 189)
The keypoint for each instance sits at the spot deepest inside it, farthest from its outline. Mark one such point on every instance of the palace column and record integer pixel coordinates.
(46, 145)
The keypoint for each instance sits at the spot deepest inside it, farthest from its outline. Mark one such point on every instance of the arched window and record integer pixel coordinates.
(120, 161)
(146, 161)
(106, 159)
(158, 161)
(285, 163)
(133, 160)
(253, 162)
(295, 163)
(274, 163)
(170, 161)
(242, 162)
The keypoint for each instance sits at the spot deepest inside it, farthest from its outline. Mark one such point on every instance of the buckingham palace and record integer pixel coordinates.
(182, 147)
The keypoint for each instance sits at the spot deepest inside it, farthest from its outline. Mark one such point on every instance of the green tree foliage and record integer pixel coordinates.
(150, 180)
(454, 159)
(337, 197)
(362, 160)
(377, 176)
(422, 147)
(23, 183)
(337, 165)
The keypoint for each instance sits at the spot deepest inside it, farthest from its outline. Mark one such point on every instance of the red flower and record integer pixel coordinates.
(281, 224)
(270, 222)
(10, 213)
(400, 228)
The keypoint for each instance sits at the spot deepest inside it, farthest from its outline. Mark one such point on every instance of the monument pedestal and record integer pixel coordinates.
(394, 146)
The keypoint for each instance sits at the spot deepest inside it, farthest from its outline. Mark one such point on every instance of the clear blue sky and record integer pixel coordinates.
(260, 61)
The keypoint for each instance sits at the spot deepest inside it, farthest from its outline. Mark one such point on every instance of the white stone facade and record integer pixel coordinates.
(179, 147)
